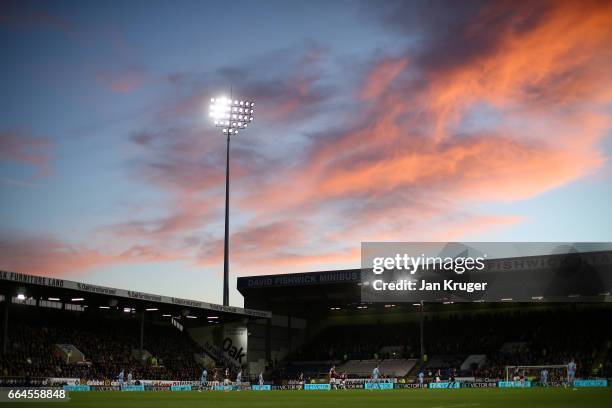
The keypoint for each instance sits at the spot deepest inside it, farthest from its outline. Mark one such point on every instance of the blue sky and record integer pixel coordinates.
(386, 120)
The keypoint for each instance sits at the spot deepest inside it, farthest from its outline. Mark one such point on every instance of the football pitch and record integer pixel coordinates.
(462, 398)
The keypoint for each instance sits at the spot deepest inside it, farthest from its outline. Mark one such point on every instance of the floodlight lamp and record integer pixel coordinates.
(230, 114)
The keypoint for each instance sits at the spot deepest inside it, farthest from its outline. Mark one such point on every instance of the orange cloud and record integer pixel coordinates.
(47, 257)
(557, 62)
(293, 262)
(545, 78)
(255, 242)
(381, 76)
(50, 256)
(408, 168)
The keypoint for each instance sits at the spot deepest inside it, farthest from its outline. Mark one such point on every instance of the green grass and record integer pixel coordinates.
(409, 398)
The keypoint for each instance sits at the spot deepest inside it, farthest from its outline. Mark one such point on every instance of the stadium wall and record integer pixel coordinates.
(273, 339)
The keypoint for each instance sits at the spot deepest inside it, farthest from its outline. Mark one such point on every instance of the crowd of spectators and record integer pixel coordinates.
(108, 345)
(553, 338)
(356, 342)
(542, 336)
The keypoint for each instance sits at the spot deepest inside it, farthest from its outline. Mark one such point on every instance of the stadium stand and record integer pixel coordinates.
(87, 342)
(516, 336)
(67, 331)
(311, 369)
(107, 346)
(353, 342)
(389, 367)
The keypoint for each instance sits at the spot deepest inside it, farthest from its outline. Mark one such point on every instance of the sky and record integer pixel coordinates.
(374, 121)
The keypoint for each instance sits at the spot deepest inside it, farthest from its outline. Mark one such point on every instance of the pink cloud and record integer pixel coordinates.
(123, 80)
(34, 151)
(381, 77)
(50, 256)
(412, 144)
(254, 242)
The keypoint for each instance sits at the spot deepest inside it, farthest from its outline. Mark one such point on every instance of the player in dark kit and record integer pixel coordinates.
(452, 381)
(333, 378)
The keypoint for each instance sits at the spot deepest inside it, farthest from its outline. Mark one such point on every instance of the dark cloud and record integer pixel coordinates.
(445, 34)
(25, 15)
(141, 138)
